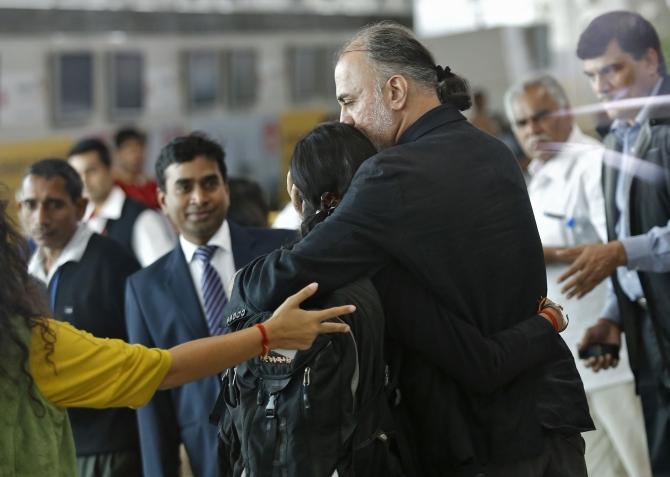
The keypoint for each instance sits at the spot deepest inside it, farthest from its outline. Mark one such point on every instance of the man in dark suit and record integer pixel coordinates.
(622, 57)
(448, 203)
(181, 296)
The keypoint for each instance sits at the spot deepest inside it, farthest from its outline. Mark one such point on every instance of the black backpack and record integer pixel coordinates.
(318, 411)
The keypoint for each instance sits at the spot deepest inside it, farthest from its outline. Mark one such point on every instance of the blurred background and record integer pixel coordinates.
(254, 74)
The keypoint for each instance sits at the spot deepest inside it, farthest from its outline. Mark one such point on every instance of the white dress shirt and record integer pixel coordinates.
(152, 235)
(222, 260)
(567, 199)
(72, 252)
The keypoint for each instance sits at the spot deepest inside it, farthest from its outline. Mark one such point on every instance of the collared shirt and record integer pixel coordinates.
(567, 199)
(152, 237)
(72, 252)
(222, 260)
(649, 251)
(565, 193)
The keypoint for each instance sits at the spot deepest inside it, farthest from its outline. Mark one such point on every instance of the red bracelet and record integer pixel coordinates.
(264, 339)
(550, 314)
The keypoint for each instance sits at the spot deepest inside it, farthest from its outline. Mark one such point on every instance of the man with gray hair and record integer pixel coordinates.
(568, 204)
(447, 202)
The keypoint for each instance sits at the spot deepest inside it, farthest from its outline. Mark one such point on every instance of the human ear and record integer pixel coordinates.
(162, 197)
(651, 60)
(397, 87)
(80, 205)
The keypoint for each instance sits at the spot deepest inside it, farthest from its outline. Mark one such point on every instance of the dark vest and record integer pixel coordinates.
(90, 296)
(649, 206)
(121, 229)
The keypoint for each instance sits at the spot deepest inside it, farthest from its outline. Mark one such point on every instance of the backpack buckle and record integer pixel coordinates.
(270, 410)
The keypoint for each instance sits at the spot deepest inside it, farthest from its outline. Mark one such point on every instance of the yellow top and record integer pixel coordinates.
(95, 372)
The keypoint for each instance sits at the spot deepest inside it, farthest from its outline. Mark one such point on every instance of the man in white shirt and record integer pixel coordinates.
(567, 200)
(141, 231)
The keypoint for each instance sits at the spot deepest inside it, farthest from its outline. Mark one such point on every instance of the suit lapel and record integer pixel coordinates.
(242, 243)
(182, 293)
(610, 177)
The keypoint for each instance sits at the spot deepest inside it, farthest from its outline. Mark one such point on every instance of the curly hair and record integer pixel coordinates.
(20, 299)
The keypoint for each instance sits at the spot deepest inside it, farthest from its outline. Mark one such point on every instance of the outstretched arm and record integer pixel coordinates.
(351, 243)
(289, 327)
(85, 371)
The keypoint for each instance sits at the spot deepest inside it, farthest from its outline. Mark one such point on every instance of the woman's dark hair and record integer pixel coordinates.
(393, 49)
(633, 32)
(20, 301)
(325, 161)
(187, 148)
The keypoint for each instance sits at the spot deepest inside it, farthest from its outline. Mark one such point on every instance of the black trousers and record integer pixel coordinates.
(562, 456)
(113, 464)
(654, 388)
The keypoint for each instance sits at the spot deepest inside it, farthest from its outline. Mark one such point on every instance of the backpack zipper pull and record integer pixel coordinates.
(270, 411)
(305, 386)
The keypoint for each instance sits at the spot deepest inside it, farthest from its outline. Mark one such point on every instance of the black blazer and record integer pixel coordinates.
(449, 204)
(163, 310)
(121, 229)
(90, 297)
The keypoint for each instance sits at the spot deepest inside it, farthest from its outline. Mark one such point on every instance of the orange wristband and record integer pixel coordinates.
(265, 343)
(550, 315)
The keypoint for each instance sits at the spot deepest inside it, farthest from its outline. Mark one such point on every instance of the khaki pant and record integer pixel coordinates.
(618, 446)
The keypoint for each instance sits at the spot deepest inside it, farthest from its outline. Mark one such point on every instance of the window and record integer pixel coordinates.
(126, 75)
(241, 79)
(72, 87)
(202, 72)
(311, 73)
(537, 42)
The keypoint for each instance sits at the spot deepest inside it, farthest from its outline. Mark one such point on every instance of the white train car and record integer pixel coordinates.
(253, 81)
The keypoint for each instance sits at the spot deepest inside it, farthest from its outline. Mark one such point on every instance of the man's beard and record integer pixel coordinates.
(381, 124)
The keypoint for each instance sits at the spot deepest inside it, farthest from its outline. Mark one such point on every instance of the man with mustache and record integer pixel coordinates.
(569, 210)
(180, 297)
(622, 57)
(85, 274)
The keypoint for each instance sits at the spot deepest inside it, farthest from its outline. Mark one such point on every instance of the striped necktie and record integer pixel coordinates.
(213, 294)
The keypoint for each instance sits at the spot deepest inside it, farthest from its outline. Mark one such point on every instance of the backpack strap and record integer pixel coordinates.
(266, 463)
(220, 404)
